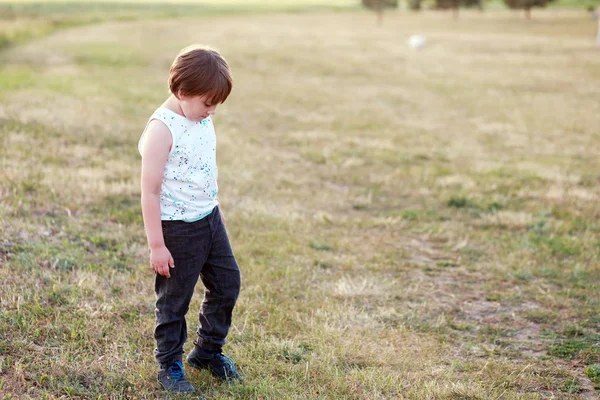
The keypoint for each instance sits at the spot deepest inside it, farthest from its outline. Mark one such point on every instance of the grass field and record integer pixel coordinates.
(409, 224)
(23, 20)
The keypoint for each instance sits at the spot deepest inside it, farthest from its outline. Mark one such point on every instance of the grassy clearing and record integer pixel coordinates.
(409, 224)
(23, 20)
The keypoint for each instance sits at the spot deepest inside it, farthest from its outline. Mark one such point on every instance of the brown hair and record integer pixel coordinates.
(198, 71)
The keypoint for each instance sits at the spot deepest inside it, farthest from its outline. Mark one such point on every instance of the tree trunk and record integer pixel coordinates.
(455, 8)
(380, 12)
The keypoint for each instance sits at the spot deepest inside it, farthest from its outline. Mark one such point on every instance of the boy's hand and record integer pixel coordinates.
(161, 261)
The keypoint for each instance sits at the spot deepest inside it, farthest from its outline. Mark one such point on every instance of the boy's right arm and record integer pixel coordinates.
(155, 151)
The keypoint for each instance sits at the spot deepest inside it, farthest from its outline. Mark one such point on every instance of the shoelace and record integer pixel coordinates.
(229, 362)
(176, 371)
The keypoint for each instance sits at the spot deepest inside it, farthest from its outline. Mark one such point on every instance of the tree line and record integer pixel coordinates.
(526, 5)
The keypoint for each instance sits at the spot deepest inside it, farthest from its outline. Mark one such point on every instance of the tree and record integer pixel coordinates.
(414, 5)
(526, 5)
(379, 6)
(456, 4)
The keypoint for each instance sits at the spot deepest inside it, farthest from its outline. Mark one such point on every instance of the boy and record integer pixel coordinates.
(184, 225)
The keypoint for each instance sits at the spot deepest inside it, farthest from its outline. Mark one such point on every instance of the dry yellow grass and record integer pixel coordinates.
(410, 224)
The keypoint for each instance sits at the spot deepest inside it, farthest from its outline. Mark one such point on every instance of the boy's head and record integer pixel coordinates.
(200, 78)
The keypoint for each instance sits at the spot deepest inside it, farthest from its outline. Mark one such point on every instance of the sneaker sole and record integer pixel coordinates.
(193, 390)
(199, 367)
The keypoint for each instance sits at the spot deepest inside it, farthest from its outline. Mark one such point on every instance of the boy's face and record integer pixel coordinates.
(196, 108)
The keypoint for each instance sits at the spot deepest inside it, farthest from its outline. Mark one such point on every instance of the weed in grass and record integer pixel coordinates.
(409, 215)
(570, 349)
(573, 331)
(494, 206)
(493, 297)
(472, 254)
(593, 372)
(320, 246)
(459, 202)
(538, 227)
(540, 316)
(446, 264)
(571, 385)
(295, 354)
(558, 245)
(521, 275)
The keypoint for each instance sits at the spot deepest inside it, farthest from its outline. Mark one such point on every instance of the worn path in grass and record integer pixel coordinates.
(409, 224)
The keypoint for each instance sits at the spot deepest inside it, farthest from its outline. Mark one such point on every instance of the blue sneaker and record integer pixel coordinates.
(221, 366)
(171, 378)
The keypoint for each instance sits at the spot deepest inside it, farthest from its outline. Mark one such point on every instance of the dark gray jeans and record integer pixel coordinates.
(199, 249)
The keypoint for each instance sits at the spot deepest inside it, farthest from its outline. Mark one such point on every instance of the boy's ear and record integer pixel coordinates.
(180, 95)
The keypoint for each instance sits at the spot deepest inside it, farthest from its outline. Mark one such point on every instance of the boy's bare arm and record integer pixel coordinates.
(155, 151)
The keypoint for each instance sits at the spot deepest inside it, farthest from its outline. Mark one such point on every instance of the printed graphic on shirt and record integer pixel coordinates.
(189, 188)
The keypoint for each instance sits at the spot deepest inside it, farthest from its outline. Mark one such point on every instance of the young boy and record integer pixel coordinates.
(184, 225)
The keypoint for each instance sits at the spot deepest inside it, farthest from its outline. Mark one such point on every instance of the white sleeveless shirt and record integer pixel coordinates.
(189, 186)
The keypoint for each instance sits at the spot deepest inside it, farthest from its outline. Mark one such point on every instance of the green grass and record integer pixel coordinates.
(408, 224)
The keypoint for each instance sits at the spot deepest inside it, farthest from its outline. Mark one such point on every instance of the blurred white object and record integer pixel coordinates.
(416, 41)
